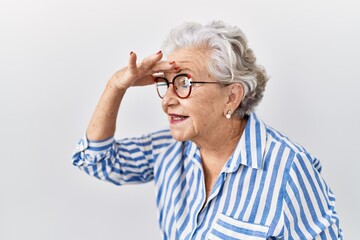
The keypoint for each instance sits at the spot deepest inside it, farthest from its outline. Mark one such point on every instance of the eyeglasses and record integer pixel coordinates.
(182, 85)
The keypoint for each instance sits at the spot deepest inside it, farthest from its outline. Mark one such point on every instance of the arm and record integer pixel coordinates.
(129, 160)
(309, 204)
(103, 121)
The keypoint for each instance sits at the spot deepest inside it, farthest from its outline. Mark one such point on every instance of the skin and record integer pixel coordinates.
(102, 124)
(205, 109)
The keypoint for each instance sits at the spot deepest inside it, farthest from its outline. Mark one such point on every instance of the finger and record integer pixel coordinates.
(164, 66)
(177, 69)
(146, 80)
(132, 61)
(148, 62)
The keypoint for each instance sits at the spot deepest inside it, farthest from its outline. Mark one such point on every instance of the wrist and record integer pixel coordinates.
(121, 80)
(114, 86)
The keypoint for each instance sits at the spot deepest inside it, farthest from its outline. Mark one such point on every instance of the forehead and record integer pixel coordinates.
(193, 60)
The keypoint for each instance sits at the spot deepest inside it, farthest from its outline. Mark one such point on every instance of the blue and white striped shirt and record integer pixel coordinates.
(269, 188)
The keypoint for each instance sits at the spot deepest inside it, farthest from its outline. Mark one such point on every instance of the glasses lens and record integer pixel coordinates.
(182, 85)
(161, 86)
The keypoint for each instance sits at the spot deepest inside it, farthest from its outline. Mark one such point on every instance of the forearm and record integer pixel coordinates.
(102, 124)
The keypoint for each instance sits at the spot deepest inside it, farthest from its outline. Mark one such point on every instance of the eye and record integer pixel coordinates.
(184, 82)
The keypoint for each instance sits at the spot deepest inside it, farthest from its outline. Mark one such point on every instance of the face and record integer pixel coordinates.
(202, 113)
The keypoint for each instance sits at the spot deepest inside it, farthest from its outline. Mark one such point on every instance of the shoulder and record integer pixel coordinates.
(284, 141)
(280, 138)
(278, 144)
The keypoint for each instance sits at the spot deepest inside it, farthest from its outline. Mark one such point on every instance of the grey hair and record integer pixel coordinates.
(230, 61)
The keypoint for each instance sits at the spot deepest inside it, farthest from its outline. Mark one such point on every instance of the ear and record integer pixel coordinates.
(235, 96)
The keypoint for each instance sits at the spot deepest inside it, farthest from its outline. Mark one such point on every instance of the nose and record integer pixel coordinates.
(170, 98)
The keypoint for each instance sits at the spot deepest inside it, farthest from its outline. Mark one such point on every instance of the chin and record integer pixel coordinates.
(180, 136)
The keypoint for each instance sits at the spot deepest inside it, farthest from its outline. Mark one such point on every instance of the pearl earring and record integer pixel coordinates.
(228, 114)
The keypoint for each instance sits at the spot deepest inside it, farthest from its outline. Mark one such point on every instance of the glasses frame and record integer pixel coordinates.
(157, 80)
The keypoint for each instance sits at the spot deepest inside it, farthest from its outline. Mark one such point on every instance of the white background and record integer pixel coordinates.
(55, 59)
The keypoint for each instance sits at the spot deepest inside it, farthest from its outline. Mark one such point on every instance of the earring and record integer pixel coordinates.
(228, 114)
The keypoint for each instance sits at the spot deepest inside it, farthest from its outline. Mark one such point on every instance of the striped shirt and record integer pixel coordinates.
(270, 188)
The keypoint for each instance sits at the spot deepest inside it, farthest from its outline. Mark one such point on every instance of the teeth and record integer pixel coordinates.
(177, 118)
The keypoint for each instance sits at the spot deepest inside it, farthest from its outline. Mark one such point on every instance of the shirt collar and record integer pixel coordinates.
(251, 146)
(249, 150)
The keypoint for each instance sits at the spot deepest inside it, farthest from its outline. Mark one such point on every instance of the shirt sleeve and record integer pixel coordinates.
(309, 206)
(126, 161)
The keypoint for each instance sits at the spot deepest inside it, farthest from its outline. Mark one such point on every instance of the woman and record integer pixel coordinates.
(220, 172)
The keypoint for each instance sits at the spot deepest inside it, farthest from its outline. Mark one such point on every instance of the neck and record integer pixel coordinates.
(218, 145)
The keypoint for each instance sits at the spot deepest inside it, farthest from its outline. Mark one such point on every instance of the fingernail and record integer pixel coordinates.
(171, 63)
(158, 52)
(176, 68)
(131, 52)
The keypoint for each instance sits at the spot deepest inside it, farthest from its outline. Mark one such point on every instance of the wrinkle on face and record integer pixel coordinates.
(205, 105)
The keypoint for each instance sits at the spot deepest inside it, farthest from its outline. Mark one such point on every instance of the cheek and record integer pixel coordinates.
(213, 103)
(205, 111)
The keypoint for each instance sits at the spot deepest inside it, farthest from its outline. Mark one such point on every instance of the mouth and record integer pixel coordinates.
(176, 118)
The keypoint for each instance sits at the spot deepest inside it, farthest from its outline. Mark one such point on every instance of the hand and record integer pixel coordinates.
(141, 74)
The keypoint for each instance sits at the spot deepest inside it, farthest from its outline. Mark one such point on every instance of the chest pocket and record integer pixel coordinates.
(228, 228)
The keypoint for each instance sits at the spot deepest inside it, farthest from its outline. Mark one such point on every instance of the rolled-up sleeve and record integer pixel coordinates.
(309, 206)
(126, 161)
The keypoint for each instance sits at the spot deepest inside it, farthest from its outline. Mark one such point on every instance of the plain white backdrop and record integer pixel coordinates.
(55, 59)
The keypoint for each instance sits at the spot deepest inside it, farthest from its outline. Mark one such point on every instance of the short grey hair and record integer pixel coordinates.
(230, 61)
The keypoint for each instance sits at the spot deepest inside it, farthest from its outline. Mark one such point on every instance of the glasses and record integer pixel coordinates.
(182, 85)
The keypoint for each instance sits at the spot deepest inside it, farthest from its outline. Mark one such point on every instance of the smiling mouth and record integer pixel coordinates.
(175, 118)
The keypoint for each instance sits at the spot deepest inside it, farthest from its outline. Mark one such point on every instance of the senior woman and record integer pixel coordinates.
(219, 171)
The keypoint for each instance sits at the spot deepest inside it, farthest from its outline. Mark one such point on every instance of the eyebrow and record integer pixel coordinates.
(181, 69)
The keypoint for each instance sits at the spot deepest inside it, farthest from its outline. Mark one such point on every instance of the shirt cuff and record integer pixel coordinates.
(99, 145)
(89, 151)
